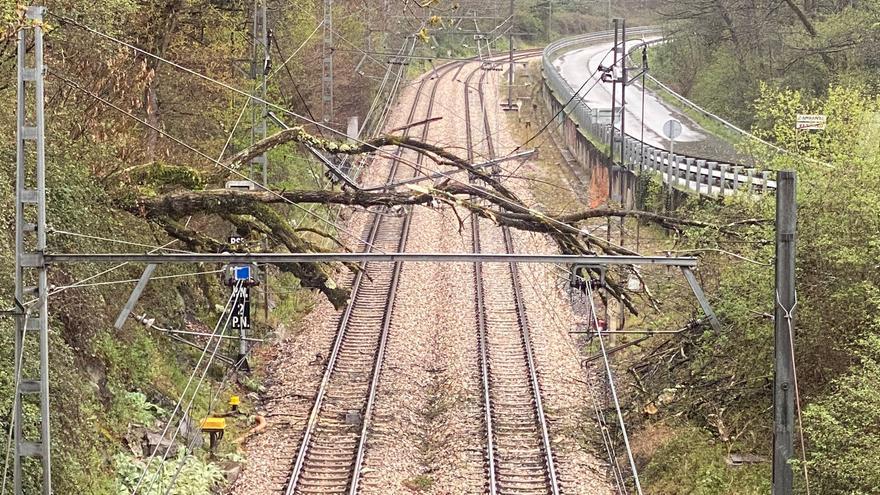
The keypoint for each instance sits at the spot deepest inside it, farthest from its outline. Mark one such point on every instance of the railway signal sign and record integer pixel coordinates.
(806, 122)
(241, 309)
(241, 273)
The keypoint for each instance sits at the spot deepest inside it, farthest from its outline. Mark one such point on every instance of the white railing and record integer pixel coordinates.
(689, 173)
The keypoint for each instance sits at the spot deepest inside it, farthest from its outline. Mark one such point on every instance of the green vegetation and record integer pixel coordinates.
(693, 462)
(420, 483)
(742, 73)
(108, 385)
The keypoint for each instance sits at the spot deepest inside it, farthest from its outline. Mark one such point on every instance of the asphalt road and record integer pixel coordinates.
(579, 65)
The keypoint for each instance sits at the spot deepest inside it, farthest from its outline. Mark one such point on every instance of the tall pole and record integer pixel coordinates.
(510, 59)
(611, 147)
(327, 67)
(549, 20)
(783, 382)
(262, 66)
(260, 71)
(31, 277)
(623, 81)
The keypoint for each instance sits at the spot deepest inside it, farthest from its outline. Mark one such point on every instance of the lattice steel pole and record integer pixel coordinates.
(327, 67)
(261, 67)
(30, 244)
(260, 70)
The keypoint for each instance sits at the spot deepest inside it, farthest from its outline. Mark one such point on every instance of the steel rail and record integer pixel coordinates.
(386, 323)
(343, 326)
(524, 325)
(340, 337)
(480, 308)
(540, 416)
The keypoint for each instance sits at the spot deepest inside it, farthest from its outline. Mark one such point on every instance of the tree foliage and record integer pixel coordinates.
(838, 293)
(720, 51)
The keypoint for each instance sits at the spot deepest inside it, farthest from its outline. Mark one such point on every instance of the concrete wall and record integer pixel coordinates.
(597, 165)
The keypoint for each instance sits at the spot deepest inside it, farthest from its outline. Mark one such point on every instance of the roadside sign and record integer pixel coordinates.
(236, 239)
(672, 129)
(807, 122)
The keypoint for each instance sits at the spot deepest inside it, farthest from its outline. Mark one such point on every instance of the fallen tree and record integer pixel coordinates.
(255, 213)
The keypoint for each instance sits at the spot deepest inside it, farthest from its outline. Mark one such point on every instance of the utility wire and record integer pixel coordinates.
(118, 241)
(229, 303)
(414, 166)
(610, 375)
(211, 159)
(789, 315)
(288, 59)
(577, 94)
(549, 308)
(120, 265)
(237, 290)
(132, 280)
(229, 87)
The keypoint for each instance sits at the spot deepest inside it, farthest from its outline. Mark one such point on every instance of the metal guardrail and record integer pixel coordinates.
(689, 173)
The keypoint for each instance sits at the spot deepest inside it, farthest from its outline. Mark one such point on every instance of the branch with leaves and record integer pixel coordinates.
(254, 212)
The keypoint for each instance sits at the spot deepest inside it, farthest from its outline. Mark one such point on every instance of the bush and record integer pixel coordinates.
(842, 428)
(693, 463)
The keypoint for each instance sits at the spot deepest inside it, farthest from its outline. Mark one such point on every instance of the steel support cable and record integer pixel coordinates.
(385, 109)
(576, 95)
(132, 280)
(610, 375)
(192, 442)
(288, 59)
(375, 102)
(789, 316)
(560, 326)
(183, 394)
(52, 230)
(209, 158)
(182, 397)
(188, 413)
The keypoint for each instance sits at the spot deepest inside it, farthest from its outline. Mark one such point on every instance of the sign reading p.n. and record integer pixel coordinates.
(807, 122)
(241, 309)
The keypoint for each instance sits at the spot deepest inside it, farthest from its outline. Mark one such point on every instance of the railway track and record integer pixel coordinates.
(519, 453)
(333, 444)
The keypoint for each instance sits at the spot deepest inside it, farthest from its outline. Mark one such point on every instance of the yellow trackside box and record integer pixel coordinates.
(213, 424)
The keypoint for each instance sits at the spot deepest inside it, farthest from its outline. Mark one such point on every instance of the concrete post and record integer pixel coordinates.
(722, 184)
(710, 177)
(698, 178)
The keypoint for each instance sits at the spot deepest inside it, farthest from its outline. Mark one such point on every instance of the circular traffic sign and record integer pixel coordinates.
(672, 128)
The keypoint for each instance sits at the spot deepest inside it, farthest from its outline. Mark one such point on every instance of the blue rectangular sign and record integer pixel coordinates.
(242, 273)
